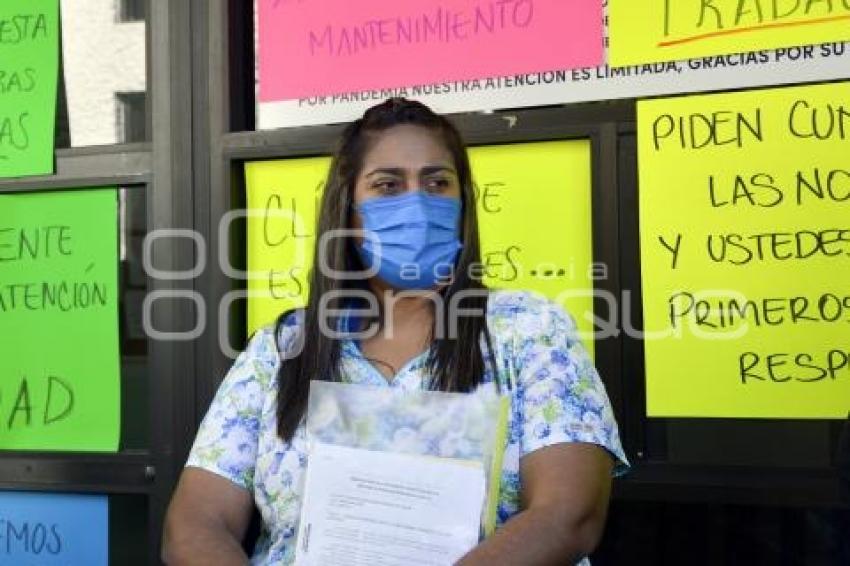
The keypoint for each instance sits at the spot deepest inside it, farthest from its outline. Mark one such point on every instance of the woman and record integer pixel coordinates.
(402, 174)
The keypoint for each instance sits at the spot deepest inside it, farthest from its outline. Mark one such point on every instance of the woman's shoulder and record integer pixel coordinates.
(526, 312)
(286, 330)
(267, 345)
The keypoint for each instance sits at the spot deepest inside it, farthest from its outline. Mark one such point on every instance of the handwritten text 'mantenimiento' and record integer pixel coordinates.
(438, 25)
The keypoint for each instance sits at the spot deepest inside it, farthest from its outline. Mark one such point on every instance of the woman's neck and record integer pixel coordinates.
(403, 311)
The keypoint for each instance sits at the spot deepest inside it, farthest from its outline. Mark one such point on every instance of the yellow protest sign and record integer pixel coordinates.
(282, 202)
(534, 220)
(745, 253)
(534, 208)
(652, 31)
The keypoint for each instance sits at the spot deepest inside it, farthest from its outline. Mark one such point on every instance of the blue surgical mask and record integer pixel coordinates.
(418, 236)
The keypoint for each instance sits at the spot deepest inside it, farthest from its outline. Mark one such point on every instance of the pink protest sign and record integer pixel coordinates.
(320, 47)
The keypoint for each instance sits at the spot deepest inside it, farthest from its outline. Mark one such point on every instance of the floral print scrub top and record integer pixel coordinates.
(556, 396)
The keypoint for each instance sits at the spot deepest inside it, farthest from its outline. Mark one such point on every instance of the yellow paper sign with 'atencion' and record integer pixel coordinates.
(651, 31)
(534, 213)
(745, 253)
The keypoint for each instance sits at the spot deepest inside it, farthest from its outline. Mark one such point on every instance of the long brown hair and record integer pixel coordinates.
(455, 363)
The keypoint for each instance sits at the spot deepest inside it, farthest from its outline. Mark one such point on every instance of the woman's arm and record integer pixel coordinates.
(206, 520)
(212, 504)
(565, 490)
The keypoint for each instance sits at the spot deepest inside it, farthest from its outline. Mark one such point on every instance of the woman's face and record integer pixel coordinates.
(406, 158)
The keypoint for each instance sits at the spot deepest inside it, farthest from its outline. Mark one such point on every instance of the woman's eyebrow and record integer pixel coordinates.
(397, 171)
(431, 169)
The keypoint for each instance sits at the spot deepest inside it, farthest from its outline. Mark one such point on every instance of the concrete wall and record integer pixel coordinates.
(102, 57)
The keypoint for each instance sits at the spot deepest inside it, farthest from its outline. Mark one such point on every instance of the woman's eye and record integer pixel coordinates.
(386, 186)
(438, 184)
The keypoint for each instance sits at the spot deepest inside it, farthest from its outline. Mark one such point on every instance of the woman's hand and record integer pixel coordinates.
(565, 490)
(206, 521)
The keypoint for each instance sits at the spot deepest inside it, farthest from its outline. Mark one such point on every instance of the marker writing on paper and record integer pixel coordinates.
(698, 131)
(62, 295)
(742, 128)
(274, 212)
(489, 196)
(15, 125)
(689, 308)
(828, 122)
(707, 19)
(503, 265)
(436, 26)
(33, 402)
(284, 225)
(812, 128)
(784, 367)
(34, 538)
(34, 243)
(21, 28)
(742, 249)
(672, 248)
(288, 284)
(762, 190)
(13, 133)
(506, 264)
(17, 81)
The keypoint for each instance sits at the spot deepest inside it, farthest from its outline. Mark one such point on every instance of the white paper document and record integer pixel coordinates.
(363, 507)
